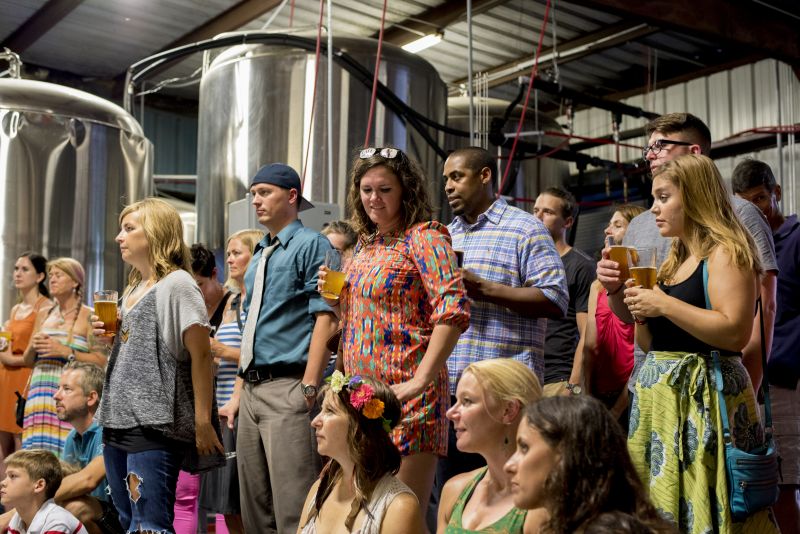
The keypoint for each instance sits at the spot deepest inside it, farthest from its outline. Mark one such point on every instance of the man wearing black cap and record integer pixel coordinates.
(282, 358)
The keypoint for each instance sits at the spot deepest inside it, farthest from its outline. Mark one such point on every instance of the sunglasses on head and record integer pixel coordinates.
(387, 153)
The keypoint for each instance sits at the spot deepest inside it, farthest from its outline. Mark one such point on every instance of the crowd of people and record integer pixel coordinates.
(480, 376)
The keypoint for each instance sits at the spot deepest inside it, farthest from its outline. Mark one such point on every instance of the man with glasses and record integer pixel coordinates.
(671, 136)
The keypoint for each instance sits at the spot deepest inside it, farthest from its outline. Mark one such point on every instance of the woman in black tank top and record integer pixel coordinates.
(674, 435)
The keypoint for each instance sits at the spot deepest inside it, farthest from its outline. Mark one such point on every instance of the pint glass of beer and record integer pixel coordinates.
(105, 307)
(619, 254)
(642, 265)
(334, 278)
(5, 340)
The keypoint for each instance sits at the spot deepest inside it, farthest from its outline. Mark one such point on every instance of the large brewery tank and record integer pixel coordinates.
(255, 103)
(68, 162)
(533, 174)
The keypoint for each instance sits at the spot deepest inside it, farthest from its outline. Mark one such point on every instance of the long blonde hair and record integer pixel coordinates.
(709, 218)
(163, 227)
(506, 380)
(249, 238)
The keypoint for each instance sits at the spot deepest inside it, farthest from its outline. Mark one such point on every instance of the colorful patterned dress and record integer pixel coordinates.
(41, 427)
(400, 286)
(675, 426)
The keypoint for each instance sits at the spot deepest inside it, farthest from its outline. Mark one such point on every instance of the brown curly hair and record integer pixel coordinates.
(371, 448)
(416, 206)
(594, 474)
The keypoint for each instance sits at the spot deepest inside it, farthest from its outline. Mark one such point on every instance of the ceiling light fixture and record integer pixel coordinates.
(426, 41)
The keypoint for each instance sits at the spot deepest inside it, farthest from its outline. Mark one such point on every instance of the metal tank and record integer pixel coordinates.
(68, 162)
(534, 175)
(255, 104)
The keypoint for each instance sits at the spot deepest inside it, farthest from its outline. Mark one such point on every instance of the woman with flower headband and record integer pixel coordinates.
(357, 487)
(404, 305)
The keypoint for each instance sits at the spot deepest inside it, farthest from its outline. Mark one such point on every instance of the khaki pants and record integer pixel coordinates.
(276, 453)
(555, 389)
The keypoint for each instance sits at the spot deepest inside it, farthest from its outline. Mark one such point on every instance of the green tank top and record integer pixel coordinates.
(511, 523)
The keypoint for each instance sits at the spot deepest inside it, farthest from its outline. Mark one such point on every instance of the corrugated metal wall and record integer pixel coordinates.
(762, 94)
(174, 139)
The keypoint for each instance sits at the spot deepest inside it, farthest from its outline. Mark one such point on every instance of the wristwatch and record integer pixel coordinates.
(575, 389)
(309, 390)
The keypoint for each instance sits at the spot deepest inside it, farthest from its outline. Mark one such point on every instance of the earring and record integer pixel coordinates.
(505, 441)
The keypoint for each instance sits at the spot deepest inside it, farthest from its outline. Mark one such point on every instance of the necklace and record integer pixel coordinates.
(62, 317)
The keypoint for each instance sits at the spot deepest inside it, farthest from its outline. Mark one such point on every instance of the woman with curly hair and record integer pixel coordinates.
(404, 305)
(572, 460)
(675, 432)
(357, 488)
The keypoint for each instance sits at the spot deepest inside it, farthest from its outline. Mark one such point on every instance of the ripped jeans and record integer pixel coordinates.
(142, 487)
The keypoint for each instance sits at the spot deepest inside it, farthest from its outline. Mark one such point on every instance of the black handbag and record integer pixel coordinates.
(753, 476)
(19, 412)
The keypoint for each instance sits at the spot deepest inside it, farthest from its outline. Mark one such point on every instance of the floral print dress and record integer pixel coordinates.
(401, 285)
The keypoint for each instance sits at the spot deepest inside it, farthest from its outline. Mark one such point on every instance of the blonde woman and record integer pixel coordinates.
(61, 333)
(490, 399)
(675, 424)
(157, 412)
(219, 489)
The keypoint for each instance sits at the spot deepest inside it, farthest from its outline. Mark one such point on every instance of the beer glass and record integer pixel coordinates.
(105, 307)
(642, 265)
(5, 340)
(334, 278)
(619, 254)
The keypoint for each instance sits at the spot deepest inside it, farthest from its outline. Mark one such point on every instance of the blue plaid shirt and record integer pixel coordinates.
(512, 247)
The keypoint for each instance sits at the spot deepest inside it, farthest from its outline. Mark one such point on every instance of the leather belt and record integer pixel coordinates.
(263, 373)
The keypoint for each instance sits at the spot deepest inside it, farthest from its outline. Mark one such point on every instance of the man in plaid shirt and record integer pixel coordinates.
(512, 271)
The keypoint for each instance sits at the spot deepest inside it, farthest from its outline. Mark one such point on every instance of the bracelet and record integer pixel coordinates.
(616, 290)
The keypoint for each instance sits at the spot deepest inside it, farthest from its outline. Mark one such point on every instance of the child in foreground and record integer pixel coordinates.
(32, 479)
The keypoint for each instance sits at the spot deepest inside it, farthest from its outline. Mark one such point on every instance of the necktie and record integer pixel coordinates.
(248, 335)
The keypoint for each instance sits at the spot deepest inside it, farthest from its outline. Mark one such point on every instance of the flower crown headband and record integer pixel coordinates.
(362, 396)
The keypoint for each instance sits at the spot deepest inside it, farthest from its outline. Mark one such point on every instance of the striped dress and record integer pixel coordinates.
(227, 334)
(41, 428)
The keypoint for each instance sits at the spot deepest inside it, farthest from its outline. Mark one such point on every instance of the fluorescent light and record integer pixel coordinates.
(422, 43)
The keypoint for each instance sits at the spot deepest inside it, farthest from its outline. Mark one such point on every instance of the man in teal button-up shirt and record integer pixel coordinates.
(276, 446)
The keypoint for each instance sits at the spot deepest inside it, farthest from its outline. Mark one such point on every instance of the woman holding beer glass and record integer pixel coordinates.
(61, 333)
(404, 304)
(30, 272)
(674, 422)
(608, 340)
(156, 411)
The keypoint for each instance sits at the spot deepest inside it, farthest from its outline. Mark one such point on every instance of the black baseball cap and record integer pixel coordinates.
(283, 176)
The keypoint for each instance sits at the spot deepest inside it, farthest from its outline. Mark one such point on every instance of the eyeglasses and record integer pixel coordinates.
(388, 153)
(659, 145)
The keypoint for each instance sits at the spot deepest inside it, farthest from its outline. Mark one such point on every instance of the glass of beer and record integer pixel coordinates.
(334, 278)
(105, 307)
(459, 258)
(619, 254)
(642, 264)
(5, 340)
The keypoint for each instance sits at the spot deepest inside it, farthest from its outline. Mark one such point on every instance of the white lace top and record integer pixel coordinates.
(387, 489)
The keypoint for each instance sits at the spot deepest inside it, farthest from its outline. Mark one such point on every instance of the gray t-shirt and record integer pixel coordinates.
(146, 377)
(643, 232)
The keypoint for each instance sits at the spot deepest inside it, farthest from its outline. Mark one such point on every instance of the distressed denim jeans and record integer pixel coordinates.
(142, 487)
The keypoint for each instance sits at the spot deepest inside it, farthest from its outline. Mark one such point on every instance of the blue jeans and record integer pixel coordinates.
(148, 504)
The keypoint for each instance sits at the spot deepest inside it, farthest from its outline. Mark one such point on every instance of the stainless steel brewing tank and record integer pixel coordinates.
(533, 175)
(68, 162)
(255, 103)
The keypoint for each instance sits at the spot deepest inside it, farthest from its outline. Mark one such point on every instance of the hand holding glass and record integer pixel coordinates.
(334, 278)
(105, 306)
(642, 262)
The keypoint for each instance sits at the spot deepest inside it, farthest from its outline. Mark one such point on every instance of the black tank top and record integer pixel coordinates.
(667, 336)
